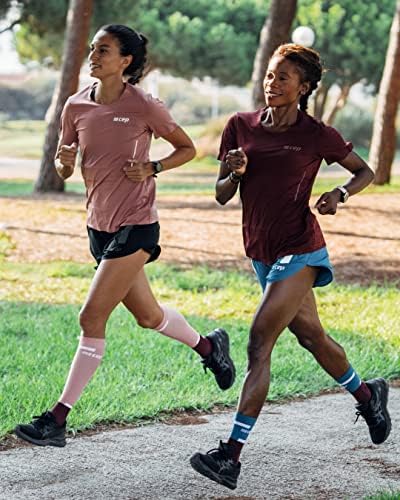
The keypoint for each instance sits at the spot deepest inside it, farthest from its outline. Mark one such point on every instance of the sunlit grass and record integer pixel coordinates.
(196, 179)
(144, 373)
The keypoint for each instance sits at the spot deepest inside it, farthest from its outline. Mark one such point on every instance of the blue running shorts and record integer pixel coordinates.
(291, 264)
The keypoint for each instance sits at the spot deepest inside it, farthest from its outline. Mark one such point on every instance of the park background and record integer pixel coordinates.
(203, 64)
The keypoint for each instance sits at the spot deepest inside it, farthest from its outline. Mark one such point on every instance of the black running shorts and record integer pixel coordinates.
(125, 241)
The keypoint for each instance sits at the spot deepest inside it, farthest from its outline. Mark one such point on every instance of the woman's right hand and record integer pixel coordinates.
(67, 155)
(236, 160)
(65, 160)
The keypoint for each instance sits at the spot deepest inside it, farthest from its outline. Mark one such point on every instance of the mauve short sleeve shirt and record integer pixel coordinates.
(107, 137)
(276, 188)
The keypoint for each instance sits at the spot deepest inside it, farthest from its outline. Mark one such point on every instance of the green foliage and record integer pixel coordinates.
(356, 124)
(208, 37)
(352, 36)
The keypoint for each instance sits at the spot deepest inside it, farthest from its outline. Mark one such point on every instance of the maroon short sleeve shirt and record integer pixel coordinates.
(276, 188)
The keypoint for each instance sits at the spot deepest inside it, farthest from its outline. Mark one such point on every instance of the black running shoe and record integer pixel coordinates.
(219, 361)
(43, 431)
(217, 465)
(375, 412)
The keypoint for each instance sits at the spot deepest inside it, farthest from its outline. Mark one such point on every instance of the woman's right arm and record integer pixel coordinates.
(67, 148)
(230, 174)
(65, 160)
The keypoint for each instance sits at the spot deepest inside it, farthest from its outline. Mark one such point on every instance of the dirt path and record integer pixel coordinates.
(307, 449)
(363, 238)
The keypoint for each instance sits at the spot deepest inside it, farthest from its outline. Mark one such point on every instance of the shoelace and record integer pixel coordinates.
(370, 419)
(42, 419)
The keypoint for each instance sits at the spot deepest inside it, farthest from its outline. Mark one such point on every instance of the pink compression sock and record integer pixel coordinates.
(175, 326)
(87, 359)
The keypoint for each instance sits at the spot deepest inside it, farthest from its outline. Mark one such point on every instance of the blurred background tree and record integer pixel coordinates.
(351, 36)
(189, 39)
(383, 143)
(225, 41)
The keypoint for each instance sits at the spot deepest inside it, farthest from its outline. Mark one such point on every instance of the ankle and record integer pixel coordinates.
(204, 347)
(235, 448)
(60, 413)
(363, 394)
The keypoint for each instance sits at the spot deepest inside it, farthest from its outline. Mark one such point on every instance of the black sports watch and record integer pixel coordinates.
(344, 194)
(157, 167)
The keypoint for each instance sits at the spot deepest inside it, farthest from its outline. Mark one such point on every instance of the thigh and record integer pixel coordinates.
(112, 282)
(281, 303)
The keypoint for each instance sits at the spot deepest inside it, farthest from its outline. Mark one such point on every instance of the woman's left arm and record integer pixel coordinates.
(361, 178)
(183, 152)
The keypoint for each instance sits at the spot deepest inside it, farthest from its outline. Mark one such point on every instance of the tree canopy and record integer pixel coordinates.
(217, 38)
(351, 35)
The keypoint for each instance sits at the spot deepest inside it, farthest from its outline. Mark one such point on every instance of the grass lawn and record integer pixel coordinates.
(22, 138)
(145, 374)
(389, 495)
(198, 178)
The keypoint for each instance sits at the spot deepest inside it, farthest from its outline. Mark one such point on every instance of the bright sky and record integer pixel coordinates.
(9, 63)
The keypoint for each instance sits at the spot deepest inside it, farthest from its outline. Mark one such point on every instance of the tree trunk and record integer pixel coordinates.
(383, 142)
(338, 104)
(320, 101)
(274, 32)
(77, 33)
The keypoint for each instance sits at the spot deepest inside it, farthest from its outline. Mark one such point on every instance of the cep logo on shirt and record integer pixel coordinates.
(292, 148)
(123, 119)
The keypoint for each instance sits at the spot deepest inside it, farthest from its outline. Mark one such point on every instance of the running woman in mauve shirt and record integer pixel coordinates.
(273, 156)
(112, 122)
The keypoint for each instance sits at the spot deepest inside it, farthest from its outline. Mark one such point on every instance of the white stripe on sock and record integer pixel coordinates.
(348, 380)
(85, 348)
(247, 426)
(163, 327)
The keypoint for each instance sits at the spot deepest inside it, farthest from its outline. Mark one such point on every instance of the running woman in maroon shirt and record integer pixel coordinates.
(273, 156)
(112, 121)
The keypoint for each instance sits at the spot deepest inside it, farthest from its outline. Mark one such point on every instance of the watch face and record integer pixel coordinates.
(157, 166)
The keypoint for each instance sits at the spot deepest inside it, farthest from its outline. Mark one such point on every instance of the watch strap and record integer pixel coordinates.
(344, 194)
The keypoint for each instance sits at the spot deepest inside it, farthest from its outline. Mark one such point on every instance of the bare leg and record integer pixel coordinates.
(141, 302)
(111, 284)
(311, 335)
(279, 306)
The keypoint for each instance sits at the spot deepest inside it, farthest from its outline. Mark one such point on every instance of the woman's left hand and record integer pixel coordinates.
(138, 171)
(327, 202)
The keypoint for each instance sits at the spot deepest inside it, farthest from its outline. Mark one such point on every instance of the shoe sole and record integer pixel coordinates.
(230, 361)
(385, 399)
(199, 466)
(59, 443)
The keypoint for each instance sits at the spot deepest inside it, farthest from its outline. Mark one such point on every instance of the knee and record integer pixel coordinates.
(89, 318)
(148, 321)
(258, 349)
(313, 339)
